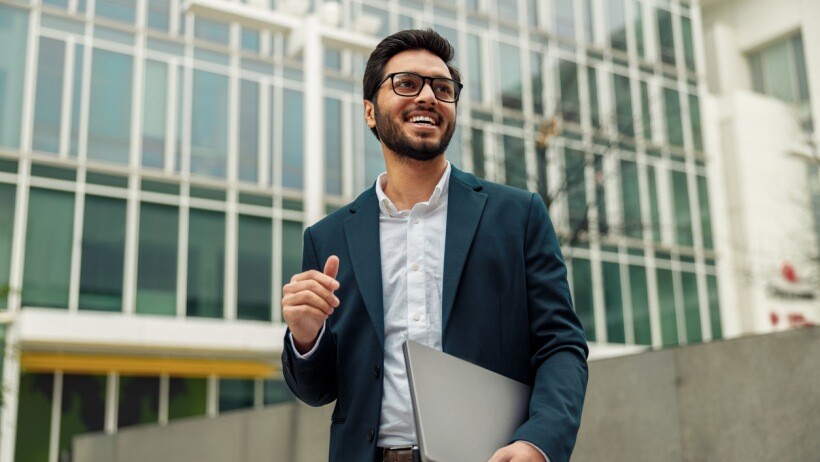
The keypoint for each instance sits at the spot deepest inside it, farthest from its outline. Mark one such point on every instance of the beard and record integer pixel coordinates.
(393, 136)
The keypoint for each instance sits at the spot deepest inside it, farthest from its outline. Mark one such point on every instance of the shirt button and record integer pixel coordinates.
(414, 267)
(415, 221)
(416, 317)
(370, 435)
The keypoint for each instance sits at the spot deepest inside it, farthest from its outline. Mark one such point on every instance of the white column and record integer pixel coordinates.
(314, 117)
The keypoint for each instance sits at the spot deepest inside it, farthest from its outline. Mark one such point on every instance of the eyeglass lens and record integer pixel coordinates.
(408, 84)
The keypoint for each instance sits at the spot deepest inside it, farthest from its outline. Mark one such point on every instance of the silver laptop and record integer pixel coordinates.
(464, 413)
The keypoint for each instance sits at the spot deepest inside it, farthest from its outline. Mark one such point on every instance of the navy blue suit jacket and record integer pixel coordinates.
(505, 306)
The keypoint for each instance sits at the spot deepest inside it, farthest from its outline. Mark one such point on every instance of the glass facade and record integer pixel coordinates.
(161, 156)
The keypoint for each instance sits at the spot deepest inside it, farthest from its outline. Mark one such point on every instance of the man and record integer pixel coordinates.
(436, 255)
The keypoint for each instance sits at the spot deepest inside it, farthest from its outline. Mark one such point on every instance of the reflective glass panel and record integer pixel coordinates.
(373, 157)
(564, 18)
(623, 105)
(186, 397)
(666, 39)
(83, 409)
(705, 213)
(206, 263)
(34, 404)
(209, 124)
(49, 97)
(666, 303)
(291, 249)
(13, 29)
(454, 149)
(154, 120)
(333, 146)
(688, 45)
(474, 57)
(248, 131)
(277, 391)
(646, 112)
(690, 307)
(103, 254)
(254, 268)
(617, 24)
(48, 248)
(120, 10)
(76, 100)
(683, 214)
(633, 223)
(158, 14)
(613, 303)
(477, 145)
(235, 394)
(211, 31)
(600, 194)
(637, 18)
(537, 79)
(674, 125)
(654, 211)
(157, 264)
(714, 307)
(138, 401)
(576, 191)
(515, 162)
(510, 68)
(292, 145)
(570, 101)
(109, 117)
(582, 295)
(640, 305)
(594, 112)
(7, 195)
(694, 117)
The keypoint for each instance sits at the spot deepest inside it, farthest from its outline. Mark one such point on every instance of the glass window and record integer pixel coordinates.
(694, 117)
(158, 14)
(600, 194)
(187, 397)
(637, 18)
(714, 307)
(12, 72)
(292, 148)
(235, 394)
(705, 214)
(333, 146)
(515, 163)
(683, 214)
(654, 210)
(508, 11)
(800, 68)
(157, 264)
(7, 195)
(666, 39)
(109, 117)
(209, 124)
(34, 417)
(633, 223)
(690, 307)
(206, 263)
(646, 114)
(510, 67)
(248, 130)
(373, 157)
(153, 116)
(617, 25)
(586, 9)
(666, 303)
(779, 70)
(250, 41)
(688, 45)
(120, 10)
(640, 305)
(254, 268)
(83, 408)
(477, 145)
(138, 401)
(49, 98)
(575, 165)
(211, 31)
(613, 302)
(537, 79)
(564, 18)
(103, 254)
(475, 75)
(76, 100)
(291, 249)
(594, 111)
(582, 295)
(48, 248)
(277, 391)
(623, 105)
(570, 102)
(454, 149)
(541, 173)
(674, 126)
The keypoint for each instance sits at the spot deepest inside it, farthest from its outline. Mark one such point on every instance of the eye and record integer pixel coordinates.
(444, 88)
(405, 82)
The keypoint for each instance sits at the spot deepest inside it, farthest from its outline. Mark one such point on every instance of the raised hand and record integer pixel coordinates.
(307, 301)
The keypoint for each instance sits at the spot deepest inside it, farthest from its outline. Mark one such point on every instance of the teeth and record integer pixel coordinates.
(424, 119)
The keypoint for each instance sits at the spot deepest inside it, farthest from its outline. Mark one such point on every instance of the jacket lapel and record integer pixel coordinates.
(362, 235)
(465, 205)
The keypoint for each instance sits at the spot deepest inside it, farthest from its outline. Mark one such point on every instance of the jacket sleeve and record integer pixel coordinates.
(558, 349)
(312, 380)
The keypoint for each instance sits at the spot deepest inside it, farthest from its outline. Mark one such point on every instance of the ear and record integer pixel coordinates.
(369, 113)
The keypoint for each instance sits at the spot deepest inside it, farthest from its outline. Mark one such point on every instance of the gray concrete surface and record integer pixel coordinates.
(749, 399)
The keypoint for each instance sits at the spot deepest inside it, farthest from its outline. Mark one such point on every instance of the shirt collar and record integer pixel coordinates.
(436, 199)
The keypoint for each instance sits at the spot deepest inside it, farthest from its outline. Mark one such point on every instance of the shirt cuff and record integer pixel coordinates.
(312, 350)
(537, 449)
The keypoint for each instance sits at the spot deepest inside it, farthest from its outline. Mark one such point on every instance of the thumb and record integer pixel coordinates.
(332, 266)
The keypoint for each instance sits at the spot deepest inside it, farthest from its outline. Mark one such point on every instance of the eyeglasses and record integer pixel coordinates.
(410, 84)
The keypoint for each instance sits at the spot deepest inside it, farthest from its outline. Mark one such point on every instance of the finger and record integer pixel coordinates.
(307, 297)
(500, 456)
(312, 286)
(323, 279)
(332, 266)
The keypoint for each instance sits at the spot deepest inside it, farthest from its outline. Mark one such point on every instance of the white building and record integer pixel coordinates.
(763, 73)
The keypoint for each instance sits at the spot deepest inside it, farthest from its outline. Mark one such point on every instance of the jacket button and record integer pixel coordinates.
(370, 435)
(376, 371)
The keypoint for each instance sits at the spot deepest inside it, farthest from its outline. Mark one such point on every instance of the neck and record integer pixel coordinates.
(411, 181)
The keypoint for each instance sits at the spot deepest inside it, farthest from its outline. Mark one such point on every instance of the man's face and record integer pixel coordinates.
(417, 127)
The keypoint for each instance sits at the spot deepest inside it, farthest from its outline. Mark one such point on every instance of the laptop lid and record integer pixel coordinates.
(463, 413)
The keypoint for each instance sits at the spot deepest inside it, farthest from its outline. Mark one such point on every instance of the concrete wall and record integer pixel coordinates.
(748, 399)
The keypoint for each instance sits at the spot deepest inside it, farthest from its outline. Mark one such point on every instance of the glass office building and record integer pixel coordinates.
(153, 184)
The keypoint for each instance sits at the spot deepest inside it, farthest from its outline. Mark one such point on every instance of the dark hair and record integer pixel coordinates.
(411, 39)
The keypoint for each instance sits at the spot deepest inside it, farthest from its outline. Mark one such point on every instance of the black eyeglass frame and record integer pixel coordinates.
(425, 78)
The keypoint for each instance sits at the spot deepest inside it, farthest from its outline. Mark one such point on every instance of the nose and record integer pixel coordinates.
(426, 94)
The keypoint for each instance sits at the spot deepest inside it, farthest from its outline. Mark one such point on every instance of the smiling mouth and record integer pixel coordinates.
(422, 121)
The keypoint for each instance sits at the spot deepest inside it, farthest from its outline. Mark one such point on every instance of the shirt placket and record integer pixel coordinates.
(416, 300)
